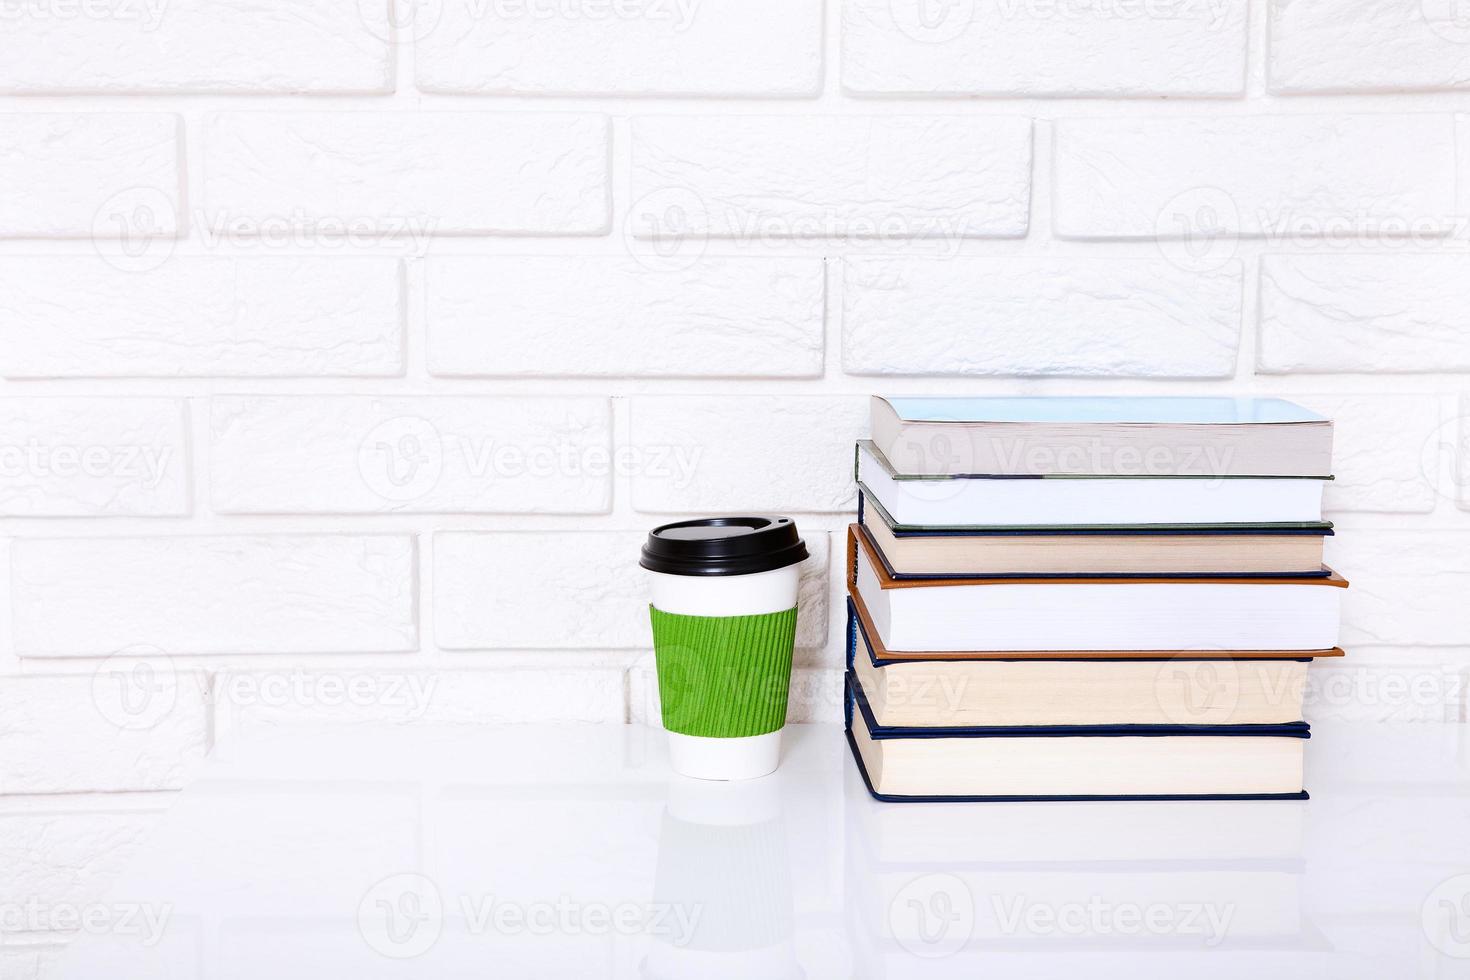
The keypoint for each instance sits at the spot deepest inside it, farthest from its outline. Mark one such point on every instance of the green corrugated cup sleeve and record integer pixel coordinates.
(724, 676)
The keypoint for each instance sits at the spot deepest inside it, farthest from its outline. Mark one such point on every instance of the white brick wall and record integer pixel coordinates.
(1030, 49)
(1120, 317)
(332, 355)
(1368, 46)
(407, 175)
(733, 453)
(79, 597)
(1370, 314)
(194, 46)
(918, 176)
(1265, 176)
(85, 721)
(601, 317)
(269, 316)
(60, 855)
(360, 454)
(74, 175)
(637, 47)
(83, 457)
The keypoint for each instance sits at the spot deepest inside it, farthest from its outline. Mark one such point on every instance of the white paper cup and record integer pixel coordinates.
(724, 594)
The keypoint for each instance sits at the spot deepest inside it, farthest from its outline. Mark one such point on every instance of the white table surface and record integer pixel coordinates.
(525, 852)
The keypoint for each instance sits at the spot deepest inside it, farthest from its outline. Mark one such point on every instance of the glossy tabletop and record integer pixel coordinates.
(423, 852)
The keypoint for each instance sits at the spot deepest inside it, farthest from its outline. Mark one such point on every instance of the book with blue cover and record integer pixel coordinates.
(1101, 436)
(1007, 764)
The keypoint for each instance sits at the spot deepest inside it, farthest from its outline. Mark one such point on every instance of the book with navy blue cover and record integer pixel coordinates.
(1040, 784)
(861, 709)
(866, 737)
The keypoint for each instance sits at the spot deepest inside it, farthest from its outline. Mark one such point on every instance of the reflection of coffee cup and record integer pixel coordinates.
(724, 624)
(723, 885)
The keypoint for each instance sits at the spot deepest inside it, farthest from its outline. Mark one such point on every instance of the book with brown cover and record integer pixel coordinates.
(856, 539)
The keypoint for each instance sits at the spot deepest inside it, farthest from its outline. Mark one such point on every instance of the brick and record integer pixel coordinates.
(780, 177)
(439, 697)
(739, 454)
(569, 590)
(1030, 48)
(584, 588)
(138, 725)
(408, 175)
(1408, 587)
(213, 595)
(1417, 692)
(193, 46)
(1385, 455)
(65, 857)
(93, 457)
(1368, 46)
(90, 176)
(597, 317)
(1367, 314)
(201, 317)
(1280, 177)
(363, 454)
(1132, 317)
(636, 47)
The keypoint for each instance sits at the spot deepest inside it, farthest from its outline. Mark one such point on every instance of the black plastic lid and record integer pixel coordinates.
(723, 546)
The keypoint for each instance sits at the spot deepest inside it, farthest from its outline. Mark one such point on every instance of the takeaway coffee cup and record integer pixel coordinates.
(724, 623)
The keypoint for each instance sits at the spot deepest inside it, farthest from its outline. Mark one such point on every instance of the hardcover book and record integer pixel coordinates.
(1062, 551)
(1181, 690)
(1093, 613)
(960, 501)
(941, 436)
(1075, 763)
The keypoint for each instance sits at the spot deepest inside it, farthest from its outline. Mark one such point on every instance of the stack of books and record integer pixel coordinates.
(1087, 598)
